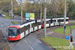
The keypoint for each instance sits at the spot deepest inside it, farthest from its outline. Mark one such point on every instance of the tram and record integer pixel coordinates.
(17, 32)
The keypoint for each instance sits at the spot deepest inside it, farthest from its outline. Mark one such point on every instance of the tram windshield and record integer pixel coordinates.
(12, 31)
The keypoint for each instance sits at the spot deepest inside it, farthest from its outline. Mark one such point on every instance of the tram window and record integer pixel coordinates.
(12, 31)
(47, 22)
(60, 20)
(66, 19)
(54, 20)
(22, 29)
(18, 31)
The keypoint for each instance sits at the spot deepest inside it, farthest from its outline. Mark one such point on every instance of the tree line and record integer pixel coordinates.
(55, 8)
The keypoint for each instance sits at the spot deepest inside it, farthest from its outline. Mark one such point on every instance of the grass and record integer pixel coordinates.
(5, 46)
(60, 30)
(7, 16)
(57, 42)
(14, 22)
(72, 22)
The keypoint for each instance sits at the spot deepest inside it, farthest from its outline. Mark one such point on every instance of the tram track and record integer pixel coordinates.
(14, 43)
(5, 25)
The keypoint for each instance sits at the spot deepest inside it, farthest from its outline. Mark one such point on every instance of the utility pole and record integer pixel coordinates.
(12, 8)
(21, 12)
(64, 15)
(41, 12)
(45, 22)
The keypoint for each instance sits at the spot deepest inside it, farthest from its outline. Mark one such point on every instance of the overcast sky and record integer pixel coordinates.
(19, 0)
(23, 1)
(31, 1)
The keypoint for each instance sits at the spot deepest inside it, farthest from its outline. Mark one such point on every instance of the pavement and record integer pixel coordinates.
(29, 42)
(72, 20)
(73, 34)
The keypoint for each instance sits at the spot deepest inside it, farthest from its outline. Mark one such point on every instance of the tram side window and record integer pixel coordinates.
(54, 20)
(60, 20)
(47, 22)
(22, 29)
(18, 31)
(67, 19)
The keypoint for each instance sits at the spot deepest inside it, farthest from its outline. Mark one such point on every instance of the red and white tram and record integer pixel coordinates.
(17, 32)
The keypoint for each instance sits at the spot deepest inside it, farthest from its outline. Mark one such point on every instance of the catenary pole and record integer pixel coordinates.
(21, 11)
(45, 22)
(12, 8)
(64, 15)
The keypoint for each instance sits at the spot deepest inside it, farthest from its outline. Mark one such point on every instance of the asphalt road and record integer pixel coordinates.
(16, 18)
(27, 43)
